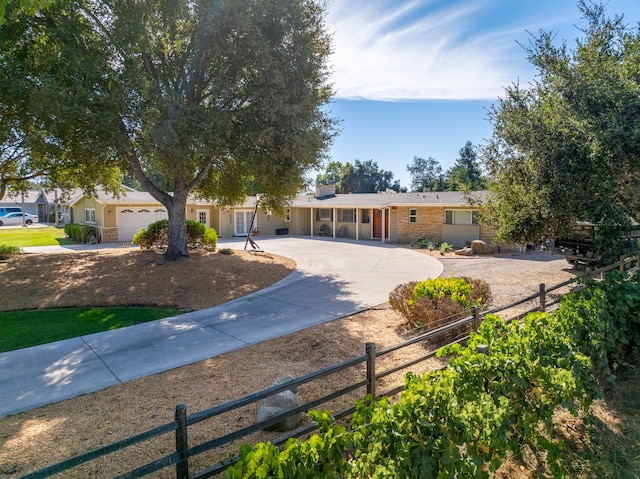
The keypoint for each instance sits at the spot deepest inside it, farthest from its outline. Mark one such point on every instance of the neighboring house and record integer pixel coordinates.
(27, 201)
(388, 217)
(47, 205)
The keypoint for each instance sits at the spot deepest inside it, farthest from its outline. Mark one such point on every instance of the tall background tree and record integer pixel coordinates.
(466, 173)
(359, 177)
(199, 97)
(426, 174)
(567, 148)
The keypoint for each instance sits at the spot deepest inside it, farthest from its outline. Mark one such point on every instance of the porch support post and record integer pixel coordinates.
(333, 223)
(357, 223)
(384, 221)
(311, 222)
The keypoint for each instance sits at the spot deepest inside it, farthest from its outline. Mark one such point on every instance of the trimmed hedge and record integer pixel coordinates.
(78, 232)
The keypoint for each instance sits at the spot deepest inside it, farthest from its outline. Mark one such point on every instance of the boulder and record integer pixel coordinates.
(464, 252)
(278, 404)
(480, 247)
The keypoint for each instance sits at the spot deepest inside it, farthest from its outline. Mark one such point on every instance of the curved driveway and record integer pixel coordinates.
(334, 278)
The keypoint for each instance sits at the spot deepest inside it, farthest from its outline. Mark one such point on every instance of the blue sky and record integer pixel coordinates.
(415, 77)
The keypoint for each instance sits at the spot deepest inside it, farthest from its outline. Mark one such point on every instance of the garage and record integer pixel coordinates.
(131, 219)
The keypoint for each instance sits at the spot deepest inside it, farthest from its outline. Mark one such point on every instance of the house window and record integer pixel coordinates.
(202, 217)
(461, 217)
(287, 214)
(364, 216)
(324, 214)
(413, 216)
(90, 215)
(347, 216)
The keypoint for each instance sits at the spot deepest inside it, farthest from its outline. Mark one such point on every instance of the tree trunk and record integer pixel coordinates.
(177, 235)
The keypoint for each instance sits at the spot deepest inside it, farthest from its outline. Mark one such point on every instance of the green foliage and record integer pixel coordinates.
(444, 247)
(156, 235)
(466, 174)
(80, 233)
(421, 242)
(359, 177)
(426, 174)
(461, 422)
(565, 149)
(320, 456)
(427, 303)
(6, 251)
(229, 93)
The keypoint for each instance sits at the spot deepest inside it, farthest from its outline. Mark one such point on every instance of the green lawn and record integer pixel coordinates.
(34, 236)
(21, 329)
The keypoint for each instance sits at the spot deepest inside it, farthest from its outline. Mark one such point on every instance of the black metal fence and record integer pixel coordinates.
(182, 422)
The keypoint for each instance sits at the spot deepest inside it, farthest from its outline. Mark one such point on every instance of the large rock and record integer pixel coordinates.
(480, 247)
(464, 252)
(278, 404)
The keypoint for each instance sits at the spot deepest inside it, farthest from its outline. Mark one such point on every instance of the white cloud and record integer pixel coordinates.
(404, 50)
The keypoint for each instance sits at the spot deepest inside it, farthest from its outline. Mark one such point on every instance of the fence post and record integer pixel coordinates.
(476, 317)
(371, 369)
(622, 263)
(543, 297)
(182, 445)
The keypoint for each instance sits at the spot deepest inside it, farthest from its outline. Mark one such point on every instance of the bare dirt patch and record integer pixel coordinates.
(130, 277)
(37, 438)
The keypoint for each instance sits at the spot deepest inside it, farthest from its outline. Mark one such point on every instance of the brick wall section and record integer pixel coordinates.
(429, 221)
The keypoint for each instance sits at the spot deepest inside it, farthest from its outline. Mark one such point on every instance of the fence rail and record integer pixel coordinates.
(182, 422)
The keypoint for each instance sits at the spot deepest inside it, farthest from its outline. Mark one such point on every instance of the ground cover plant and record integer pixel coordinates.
(464, 420)
(22, 329)
(32, 236)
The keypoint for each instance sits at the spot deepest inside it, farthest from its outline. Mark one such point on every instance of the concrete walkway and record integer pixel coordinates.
(334, 278)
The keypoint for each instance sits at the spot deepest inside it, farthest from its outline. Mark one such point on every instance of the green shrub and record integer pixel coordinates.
(421, 242)
(427, 303)
(445, 247)
(6, 251)
(156, 235)
(80, 233)
(464, 420)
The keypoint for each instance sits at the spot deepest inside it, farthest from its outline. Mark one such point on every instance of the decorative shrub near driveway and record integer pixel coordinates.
(431, 303)
(156, 235)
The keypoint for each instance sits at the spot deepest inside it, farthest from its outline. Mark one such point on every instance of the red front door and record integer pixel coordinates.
(377, 223)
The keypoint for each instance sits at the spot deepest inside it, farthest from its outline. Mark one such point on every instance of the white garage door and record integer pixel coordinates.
(130, 220)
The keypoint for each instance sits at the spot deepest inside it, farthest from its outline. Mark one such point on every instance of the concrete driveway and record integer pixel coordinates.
(334, 278)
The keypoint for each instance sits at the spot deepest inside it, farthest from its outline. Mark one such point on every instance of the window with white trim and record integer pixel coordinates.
(347, 216)
(324, 214)
(364, 216)
(287, 214)
(413, 216)
(461, 217)
(90, 215)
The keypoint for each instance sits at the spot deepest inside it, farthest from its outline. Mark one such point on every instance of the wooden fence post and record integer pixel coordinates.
(476, 317)
(543, 297)
(371, 369)
(622, 263)
(182, 444)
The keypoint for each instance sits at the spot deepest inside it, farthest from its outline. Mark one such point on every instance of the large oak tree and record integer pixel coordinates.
(567, 147)
(209, 95)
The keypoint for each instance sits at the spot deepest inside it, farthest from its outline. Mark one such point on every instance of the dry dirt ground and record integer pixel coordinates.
(43, 436)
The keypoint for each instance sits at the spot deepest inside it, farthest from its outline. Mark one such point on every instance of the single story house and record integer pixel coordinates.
(387, 217)
(46, 205)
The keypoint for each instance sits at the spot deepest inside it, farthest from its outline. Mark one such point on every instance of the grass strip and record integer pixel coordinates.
(34, 236)
(22, 329)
